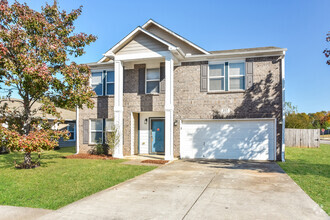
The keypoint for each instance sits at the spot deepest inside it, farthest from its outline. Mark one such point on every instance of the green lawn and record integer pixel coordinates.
(59, 181)
(310, 169)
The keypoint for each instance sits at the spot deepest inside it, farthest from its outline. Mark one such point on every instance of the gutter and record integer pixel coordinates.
(283, 104)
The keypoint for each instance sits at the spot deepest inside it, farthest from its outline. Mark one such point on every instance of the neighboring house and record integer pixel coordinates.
(166, 95)
(68, 116)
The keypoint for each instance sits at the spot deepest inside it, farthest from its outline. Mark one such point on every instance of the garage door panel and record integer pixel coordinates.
(228, 139)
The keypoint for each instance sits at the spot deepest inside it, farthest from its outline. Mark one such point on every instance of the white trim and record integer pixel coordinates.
(174, 34)
(151, 80)
(90, 130)
(132, 133)
(140, 56)
(283, 104)
(112, 51)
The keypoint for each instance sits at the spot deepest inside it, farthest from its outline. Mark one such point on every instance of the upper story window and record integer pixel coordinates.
(217, 77)
(96, 83)
(110, 82)
(152, 80)
(103, 82)
(226, 76)
(236, 76)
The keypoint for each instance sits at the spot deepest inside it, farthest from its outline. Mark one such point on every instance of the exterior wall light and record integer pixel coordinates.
(145, 121)
(176, 122)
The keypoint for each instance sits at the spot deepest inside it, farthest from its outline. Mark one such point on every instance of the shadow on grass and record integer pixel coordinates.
(46, 157)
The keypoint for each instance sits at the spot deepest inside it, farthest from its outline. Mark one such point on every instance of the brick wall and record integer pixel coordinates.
(262, 100)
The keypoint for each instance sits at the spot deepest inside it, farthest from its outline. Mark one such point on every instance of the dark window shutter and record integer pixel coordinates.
(249, 74)
(86, 131)
(162, 80)
(204, 70)
(141, 80)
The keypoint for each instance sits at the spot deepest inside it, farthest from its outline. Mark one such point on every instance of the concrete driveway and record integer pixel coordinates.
(200, 190)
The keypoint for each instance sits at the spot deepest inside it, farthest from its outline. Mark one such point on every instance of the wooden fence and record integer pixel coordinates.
(302, 137)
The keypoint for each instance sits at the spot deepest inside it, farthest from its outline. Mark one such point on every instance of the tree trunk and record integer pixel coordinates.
(27, 159)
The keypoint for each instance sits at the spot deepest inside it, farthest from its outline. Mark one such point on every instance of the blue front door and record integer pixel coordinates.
(157, 136)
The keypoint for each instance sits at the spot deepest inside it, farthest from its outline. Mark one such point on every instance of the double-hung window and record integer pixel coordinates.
(152, 80)
(110, 87)
(217, 77)
(96, 131)
(236, 76)
(109, 127)
(71, 130)
(226, 76)
(103, 82)
(97, 83)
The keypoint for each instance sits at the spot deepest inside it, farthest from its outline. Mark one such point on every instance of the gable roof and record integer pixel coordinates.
(131, 35)
(152, 22)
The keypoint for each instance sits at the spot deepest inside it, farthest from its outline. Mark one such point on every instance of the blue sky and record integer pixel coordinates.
(300, 26)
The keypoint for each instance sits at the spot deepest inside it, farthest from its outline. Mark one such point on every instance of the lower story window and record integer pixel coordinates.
(96, 131)
(71, 130)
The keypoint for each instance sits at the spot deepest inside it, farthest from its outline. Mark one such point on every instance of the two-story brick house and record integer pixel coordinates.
(168, 96)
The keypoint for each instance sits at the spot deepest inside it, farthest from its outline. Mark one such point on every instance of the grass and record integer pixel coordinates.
(59, 181)
(310, 169)
(325, 136)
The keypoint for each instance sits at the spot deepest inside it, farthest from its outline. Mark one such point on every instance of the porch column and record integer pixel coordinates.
(118, 107)
(169, 107)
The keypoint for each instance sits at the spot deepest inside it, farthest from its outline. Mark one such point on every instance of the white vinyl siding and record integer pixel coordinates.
(96, 131)
(152, 80)
(142, 43)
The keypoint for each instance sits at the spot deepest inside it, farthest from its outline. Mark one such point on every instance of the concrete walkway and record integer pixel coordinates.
(17, 213)
(200, 190)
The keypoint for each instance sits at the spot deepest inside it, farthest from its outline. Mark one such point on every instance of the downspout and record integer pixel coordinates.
(283, 106)
(77, 130)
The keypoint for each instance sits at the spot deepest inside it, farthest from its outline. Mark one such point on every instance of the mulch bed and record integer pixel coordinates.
(91, 156)
(155, 161)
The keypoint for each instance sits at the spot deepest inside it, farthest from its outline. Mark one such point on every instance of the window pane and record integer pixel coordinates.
(153, 87)
(96, 77)
(71, 127)
(236, 83)
(110, 88)
(96, 137)
(216, 84)
(153, 74)
(110, 76)
(96, 125)
(109, 125)
(97, 89)
(71, 135)
(216, 70)
(236, 69)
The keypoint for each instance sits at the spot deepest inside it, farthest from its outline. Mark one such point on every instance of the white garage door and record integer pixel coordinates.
(228, 139)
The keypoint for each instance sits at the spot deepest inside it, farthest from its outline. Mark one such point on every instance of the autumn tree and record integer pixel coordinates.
(35, 51)
(327, 50)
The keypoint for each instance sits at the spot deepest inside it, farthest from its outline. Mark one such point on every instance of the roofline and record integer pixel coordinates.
(136, 30)
(282, 50)
(150, 21)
